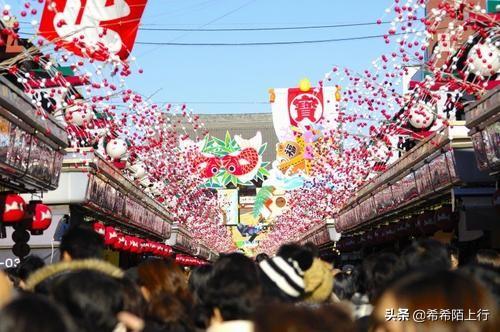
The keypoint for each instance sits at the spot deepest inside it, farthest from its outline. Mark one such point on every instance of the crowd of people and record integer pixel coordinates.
(293, 291)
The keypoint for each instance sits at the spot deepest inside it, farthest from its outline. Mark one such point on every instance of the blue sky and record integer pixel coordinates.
(240, 76)
(245, 73)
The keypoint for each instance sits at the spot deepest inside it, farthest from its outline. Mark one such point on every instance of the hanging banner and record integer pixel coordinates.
(95, 29)
(228, 203)
(295, 107)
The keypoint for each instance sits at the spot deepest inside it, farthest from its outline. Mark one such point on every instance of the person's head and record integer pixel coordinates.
(261, 257)
(233, 290)
(434, 290)
(290, 318)
(157, 277)
(282, 276)
(165, 288)
(27, 266)
(81, 242)
(488, 258)
(426, 254)
(454, 256)
(318, 282)
(198, 280)
(31, 312)
(489, 278)
(133, 300)
(299, 255)
(343, 286)
(92, 298)
(312, 248)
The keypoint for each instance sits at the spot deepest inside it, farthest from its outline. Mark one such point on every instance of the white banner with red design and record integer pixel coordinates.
(95, 29)
(295, 108)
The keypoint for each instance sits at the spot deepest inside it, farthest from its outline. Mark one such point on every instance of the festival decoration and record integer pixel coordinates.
(94, 28)
(14, 208)
(116, 148)
(234, 160)
(41, 219)
(303, 107)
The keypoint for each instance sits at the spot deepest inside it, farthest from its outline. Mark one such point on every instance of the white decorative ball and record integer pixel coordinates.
(421, 116)
(485, 59)
(138, 170)
(78, 114)
(116, 148)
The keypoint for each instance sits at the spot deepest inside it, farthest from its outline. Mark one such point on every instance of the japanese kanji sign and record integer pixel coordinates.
(295, 108)
(96, 29)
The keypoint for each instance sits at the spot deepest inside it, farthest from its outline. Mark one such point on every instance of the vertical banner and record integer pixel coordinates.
(228, 203)
(295, 108)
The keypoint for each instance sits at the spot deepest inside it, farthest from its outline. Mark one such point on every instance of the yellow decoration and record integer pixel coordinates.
(338, 96)
(305, 85)
(272, 96)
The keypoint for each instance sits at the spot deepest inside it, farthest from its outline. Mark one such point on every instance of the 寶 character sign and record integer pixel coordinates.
(96, 29)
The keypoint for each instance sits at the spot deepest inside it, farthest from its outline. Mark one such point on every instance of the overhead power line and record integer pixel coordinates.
(306, 27)
(296, 42)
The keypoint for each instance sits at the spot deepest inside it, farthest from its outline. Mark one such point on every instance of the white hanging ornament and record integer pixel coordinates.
(421, 116)
(485, 59)
(78, 114)
(138, 170)
(116, 148)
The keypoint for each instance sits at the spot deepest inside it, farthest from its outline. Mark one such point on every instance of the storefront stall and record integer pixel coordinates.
(430, 191)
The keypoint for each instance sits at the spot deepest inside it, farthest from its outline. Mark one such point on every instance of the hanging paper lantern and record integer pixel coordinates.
(116, 148)
(127, 244)
(110, 236)
(120, 242)
(79, 114)
(484, 59)
(99, 228)
(41, 220)
(14, 208)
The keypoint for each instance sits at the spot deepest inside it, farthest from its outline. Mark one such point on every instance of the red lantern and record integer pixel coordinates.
(41, 219)
(127, 244)
(14, 208)
(99, 228)
(120, 242)
(110, 236)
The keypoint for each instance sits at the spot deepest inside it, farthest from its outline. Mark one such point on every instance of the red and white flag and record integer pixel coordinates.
(95, 29)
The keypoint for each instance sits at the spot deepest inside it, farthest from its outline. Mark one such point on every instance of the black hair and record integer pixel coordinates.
(29, 265)
(133, 300)
(313, 248)
(92, 298)
(234, 287)
(426, 254)
(490, 279)
(303, 256)
(198, 280)
(82, 242)
(31, 312)
(343, 286)
(197, 284)
(261, 257)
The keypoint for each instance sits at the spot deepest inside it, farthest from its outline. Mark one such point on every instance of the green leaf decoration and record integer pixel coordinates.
(262, 149)
(227, 140)
(262, 196)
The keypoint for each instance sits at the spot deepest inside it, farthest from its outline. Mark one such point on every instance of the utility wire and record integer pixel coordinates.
(307, 27)
(297, 42)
